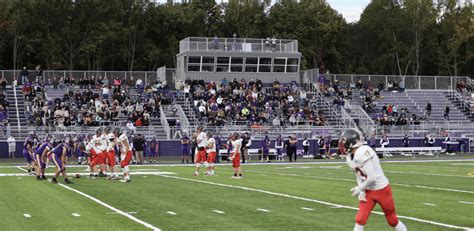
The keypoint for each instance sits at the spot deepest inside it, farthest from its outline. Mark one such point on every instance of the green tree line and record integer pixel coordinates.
(410, 37)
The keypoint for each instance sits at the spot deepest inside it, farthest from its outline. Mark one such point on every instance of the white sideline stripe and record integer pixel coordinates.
(218, 211)
(308, 209)
(86, 174)
(344, 179)
(428, 174)
(111, 208)
(429, 204)
(283, 163)
(334, 167)
(315, 201)
(76, 214)
(264, 210)
(466, 202)
(27, 215)
(170, 212)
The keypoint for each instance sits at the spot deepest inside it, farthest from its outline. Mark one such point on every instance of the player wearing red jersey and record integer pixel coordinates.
(372, 185)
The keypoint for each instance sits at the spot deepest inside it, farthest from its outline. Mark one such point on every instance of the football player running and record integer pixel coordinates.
(372, 185)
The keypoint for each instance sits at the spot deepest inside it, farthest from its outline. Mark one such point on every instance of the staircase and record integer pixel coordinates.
(19, 134)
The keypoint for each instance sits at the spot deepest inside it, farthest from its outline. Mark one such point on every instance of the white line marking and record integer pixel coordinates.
(218, 211)
(429, 204)
(111, 208)
(170, 212)
(466, 202)
(350, 180)
(22, 169)
(427, 174)
(463, 164)
(125, 212)
(286, 163)
(87, 174)
(308, 209)
(27, 215)
(76, 214)
(313, 200)
(264, 210)
(145, 176)
(334, 167)
(19, 178)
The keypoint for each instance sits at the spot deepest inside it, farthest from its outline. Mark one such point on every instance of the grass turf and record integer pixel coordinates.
(421, 190)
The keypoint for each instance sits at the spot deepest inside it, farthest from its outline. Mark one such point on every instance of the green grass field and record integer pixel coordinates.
(305, 196)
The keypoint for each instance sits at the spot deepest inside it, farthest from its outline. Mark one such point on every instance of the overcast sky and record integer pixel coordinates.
(350, 9)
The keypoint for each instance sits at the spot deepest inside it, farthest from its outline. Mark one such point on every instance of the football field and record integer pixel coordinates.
(435, 195)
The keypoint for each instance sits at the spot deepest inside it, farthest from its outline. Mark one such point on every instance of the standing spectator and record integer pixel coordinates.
(293, 147)
(431, 142)
(24, 76)
(279, 147)
(446, 112)
(8, 130)
(11, 146)
(321, 146)
(406, 141)
(384, 142)
(153, 146)
(185, 148)
(428, 110)
(327, 146)
(265, 149)
(447, 141)
(39, 74)
(139, 145)
(305, 147)
(246, 143)
(177, 130)
(372, 142)
(4, 83)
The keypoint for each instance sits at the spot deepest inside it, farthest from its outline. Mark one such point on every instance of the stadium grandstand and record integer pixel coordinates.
(244, 85)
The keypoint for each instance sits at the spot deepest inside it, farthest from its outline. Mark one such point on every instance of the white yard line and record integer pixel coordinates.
(466, 202)
(283, 163)
(218, 211)
(350, 180)
(429, 204)
(427, 174)
(26, 215)
(171, 213)
(22, 169)
(308, 209)
(76, 214)
(313, 200)
(111, 208)
(264, 210)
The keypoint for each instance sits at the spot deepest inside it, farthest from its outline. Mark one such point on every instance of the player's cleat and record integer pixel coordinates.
(44, 178)
(38, 178)
(54, 181)
(111, 177)
(101, 174)
(68, 181)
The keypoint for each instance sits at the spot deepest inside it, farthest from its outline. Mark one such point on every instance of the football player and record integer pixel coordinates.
(372, 185)
(111, 142)
(125, 152)
(28, 153)
(211, 152)
(201, 138)
(40, 157)
(58, 157)
(99, 146)
(235, 156)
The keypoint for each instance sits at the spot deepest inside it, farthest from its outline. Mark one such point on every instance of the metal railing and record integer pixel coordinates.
(165, 124)
(366, 124)
(409, 81)
(186, 127)
(238, 45)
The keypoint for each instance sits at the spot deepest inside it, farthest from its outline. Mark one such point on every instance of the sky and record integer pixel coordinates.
(350, 9)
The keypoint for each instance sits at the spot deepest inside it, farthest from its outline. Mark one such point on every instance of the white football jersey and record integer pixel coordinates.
(365, 162)
(202, 139)
(110, 144)
(123, 139)
(236, 143)
(211, 145)
(99, 144)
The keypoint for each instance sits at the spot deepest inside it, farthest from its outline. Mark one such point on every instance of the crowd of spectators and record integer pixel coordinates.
(369, 94)
(97, 102)
(251, 103)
